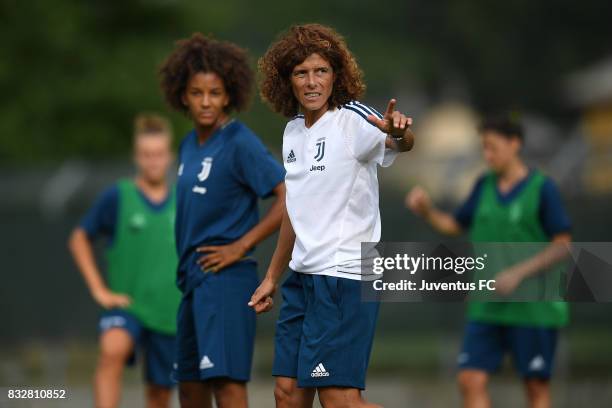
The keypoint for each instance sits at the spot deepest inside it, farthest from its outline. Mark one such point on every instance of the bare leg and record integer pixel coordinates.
(288, 395)
(343, 397)
(195, 394)
(473, 386)
(158, 396)
(230, 394)
(116, 346)
(538, 393)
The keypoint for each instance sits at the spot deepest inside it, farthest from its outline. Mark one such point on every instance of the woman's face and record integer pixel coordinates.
(153, 156)
(206, 98)
(312, 82)
(499, 151)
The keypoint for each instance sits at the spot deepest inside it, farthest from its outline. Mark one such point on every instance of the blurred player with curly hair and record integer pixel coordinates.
(223, 170)
(331, 149)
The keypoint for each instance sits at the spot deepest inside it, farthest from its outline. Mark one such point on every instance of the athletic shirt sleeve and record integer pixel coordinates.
(179, 155)
(364, 140)
(256, 167)
(465, 213)
(101, 219)
(552, 213)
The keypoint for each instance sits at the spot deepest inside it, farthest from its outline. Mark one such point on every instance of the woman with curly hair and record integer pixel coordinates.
(223, 170)
(331, 148)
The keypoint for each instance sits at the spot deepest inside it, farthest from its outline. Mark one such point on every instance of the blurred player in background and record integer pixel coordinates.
(510, 203)
(136, 216)
(223, 171)
(331, 151)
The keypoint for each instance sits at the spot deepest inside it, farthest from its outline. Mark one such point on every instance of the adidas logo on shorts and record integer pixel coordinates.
(537, 364)
(206, 363)
(319, 371)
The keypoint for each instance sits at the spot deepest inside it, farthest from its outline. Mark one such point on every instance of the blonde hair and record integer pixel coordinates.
(151, 124)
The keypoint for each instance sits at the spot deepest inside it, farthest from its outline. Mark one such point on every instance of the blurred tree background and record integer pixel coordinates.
(73, 73)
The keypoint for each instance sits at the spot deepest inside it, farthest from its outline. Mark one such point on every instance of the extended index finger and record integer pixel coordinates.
(390, 107)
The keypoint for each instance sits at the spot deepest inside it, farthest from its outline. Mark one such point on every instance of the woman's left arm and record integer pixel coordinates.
(219, 256)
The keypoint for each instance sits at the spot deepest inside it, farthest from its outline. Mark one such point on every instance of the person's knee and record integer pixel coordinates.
(285, 390)
(341, 397)
(230, 393)
(191, 394)
(283, 393)
(158, 396)
(472, 381)
(330, 399)
(537, 388)
(115, 347)
(113, 356)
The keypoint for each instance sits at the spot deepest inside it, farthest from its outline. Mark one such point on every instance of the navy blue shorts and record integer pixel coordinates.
(158, 348)
(532, 348)
(216, 326)
(324, 332)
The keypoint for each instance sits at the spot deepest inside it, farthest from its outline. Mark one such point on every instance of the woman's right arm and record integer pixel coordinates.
(82, 253)
(261, 300)
(420, 203)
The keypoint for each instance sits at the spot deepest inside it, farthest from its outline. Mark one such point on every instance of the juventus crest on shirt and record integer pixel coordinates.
(332, 188)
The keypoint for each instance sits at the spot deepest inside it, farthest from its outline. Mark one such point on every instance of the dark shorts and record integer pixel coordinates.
(157, 348)
(532, 348)
(216, 327)
(324, 332)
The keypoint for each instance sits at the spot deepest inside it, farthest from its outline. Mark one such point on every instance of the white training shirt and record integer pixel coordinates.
(332, 189)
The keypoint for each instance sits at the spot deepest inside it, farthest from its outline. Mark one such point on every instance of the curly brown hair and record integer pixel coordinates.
(204, 54)
(291, 49)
